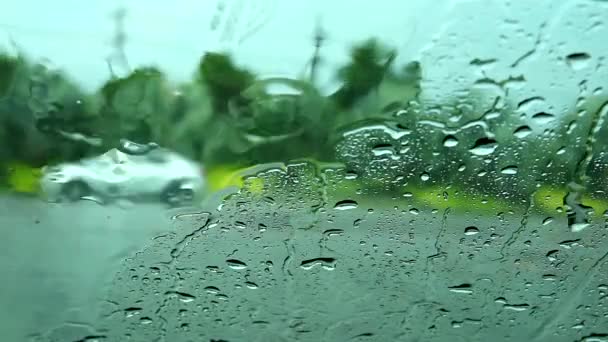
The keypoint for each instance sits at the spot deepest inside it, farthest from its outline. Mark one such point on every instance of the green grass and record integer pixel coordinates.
(551, 199)
(22, 178)
(25, 180)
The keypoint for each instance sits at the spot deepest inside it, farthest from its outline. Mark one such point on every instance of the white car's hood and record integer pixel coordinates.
(116, 156)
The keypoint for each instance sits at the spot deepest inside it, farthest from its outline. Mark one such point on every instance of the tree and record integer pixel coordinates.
(39, 107)
(8, 69)
(223, 79)
(370, 62)
(136, 107)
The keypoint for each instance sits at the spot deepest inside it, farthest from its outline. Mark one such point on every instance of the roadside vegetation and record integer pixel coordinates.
(228, 118)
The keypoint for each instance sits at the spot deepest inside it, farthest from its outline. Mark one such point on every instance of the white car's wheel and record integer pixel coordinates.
(74, 191)
(176, 195)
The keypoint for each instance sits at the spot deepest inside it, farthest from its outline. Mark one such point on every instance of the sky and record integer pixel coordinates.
(274, 37)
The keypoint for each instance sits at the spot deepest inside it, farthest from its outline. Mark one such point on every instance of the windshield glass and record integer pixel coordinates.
(304, 171)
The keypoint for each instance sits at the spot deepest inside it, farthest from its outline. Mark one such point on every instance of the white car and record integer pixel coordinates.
(133, 171)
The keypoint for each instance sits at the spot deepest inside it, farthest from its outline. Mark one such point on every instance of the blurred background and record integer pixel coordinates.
(77, 78)
(457, 119)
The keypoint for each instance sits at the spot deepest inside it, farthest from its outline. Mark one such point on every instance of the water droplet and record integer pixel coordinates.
(549, 277)
(346, 205)
(395, 133)
(509, 170)
(425, 176)
(552, 255)
(251, 285)
(327, 263)
(517, 307)
(185, 297)
(463, 288)
(351, 175)
(269, 200)
(568, 244)
(471, 230)
(580, 226)
(483, 62)
(236, 264)
(383, 149)
(333, 232)
(212, 289)
(528, 103)
(579, 325)
(543, 118)
(145, 320)
(130, 312)
(182, 296)
(522, 132)
(500, 300)
(578, 60)
(547, 220)
(595, 338)
(484, 147)
(571, 127)
(450, 141)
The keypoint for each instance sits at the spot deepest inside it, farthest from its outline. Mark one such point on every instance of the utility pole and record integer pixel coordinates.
(118, 56)
(319, 39)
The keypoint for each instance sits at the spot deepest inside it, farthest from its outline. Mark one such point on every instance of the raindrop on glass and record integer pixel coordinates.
(522, 132)
(236, 264)
(578, 60)
(450, 141)
(471, 230)
(484, 147)
(425, 176)
(346, 205)
(543, 118)
(509, 170)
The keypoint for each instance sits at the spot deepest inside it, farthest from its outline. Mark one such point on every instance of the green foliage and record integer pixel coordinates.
(135, 107)
(224, 80)
(8, 68)
(225, 115)
(42, 108)
(369, 63)
(137, 79)
(229, 116)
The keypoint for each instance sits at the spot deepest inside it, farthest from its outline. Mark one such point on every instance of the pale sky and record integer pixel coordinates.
(274, 36)
(76, 35)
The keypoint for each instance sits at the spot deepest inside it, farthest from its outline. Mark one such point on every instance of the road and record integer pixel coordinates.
(281, 273)
(56, 260)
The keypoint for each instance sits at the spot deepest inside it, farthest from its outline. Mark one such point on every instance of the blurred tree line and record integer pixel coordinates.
(226, 114)
(229, 115)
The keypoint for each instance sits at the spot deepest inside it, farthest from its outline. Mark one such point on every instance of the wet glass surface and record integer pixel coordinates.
(435, 174)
